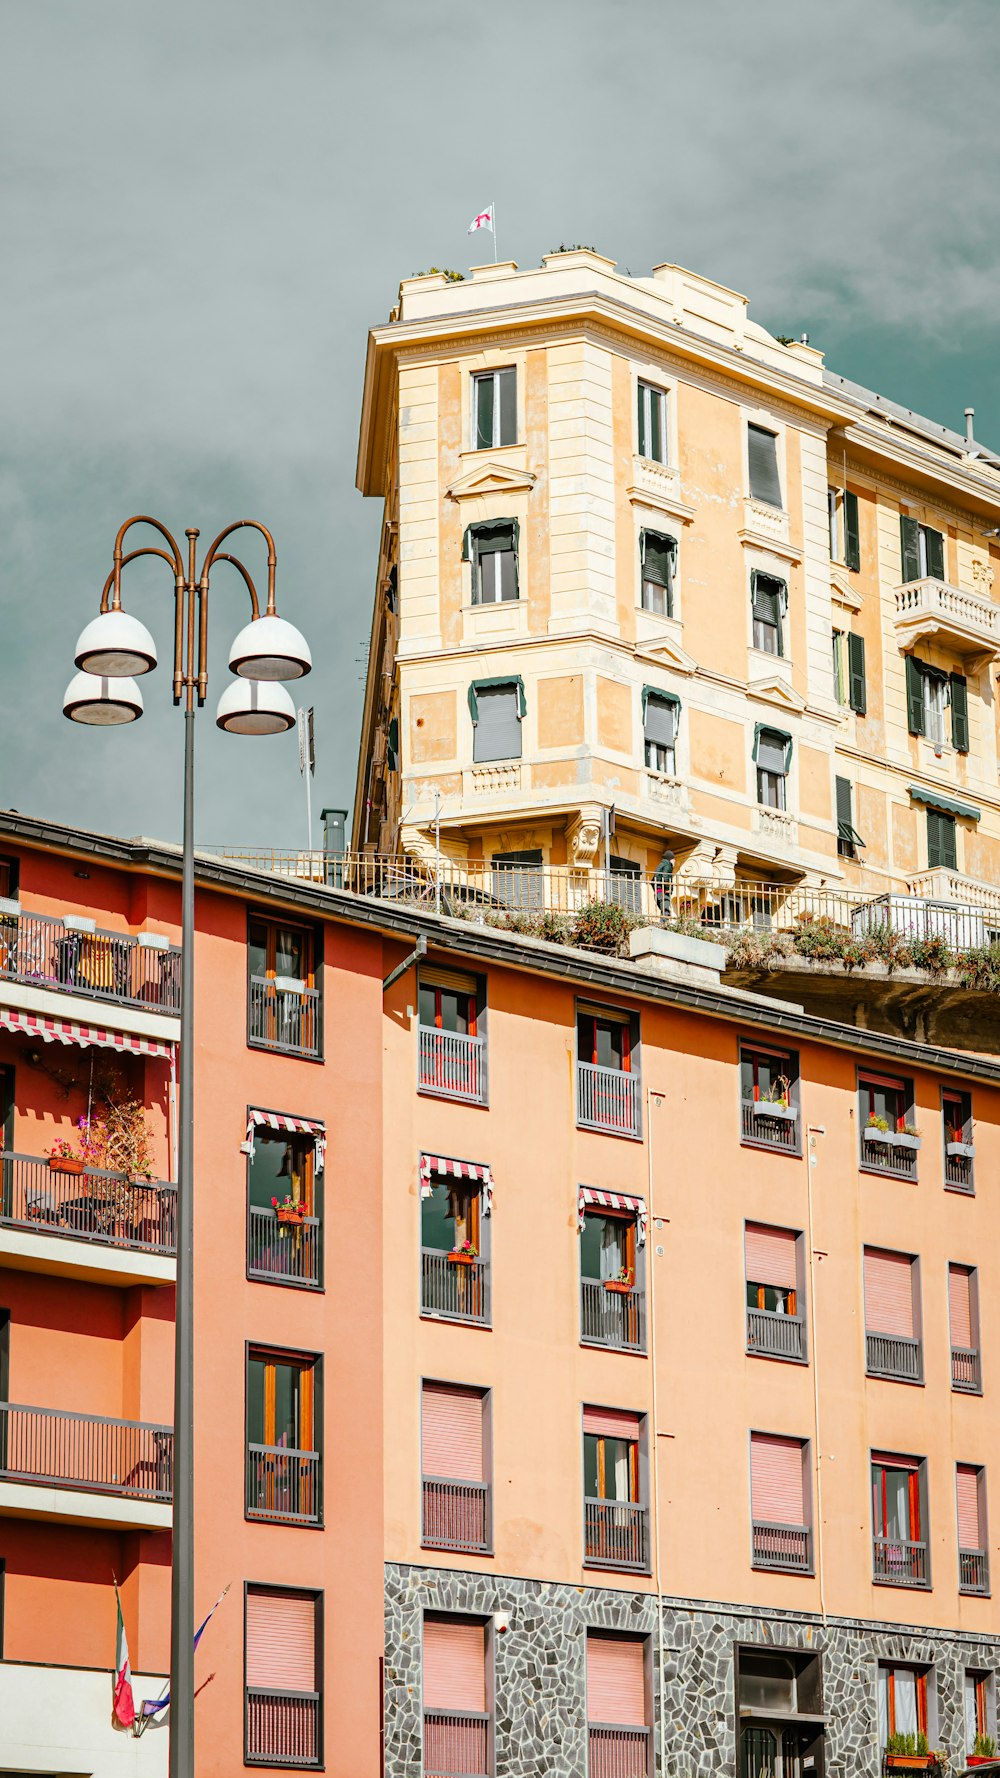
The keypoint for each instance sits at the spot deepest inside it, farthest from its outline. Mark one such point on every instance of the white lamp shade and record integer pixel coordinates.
(116, 644)
(252, 707)
(270, 648)
(102, 701)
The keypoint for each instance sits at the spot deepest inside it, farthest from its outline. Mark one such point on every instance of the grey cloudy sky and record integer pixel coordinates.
(203, 208)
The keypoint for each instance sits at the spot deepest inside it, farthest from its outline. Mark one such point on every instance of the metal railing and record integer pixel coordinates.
(456, 1744)
(284, 1019)
(283, 1253)
(885, 1157)
(770, 1335)
(616, 1750)
(284, 1484)
(616, 1534)
(90, 1451)
(901, 1562)
(958, 1172)
(44, 952)
(456, 1515)
(451, 1063)
(762, 1129)
(895, 1357)
(966, 1371)
(283, 1728)
(94, 1205)
(787, 1547)
(614, 1318)
(454, 1290)
(974, 1571)
(607, 1099)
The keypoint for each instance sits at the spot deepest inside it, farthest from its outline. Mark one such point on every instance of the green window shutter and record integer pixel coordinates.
(393, 744)
(914, 697)
(934, 544)
(856, 673)
(641, 431)
(949, 846)
(485, 390)
(941, 847)
(909, 543)
(507, 380)
(852, 532)
(844, 810)
(655, 440)
(959, 713)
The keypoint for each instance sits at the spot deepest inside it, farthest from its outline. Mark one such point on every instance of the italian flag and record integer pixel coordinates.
(124, 1703)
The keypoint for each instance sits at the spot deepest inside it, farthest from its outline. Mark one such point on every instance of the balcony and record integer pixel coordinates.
(87, 1468)
(771, 1335)
(763, 1125)
(452, 1065)
(612, 1318)
(456, 1742)
(56, 1214)
(900, 1563)
(283, 1017)
(966, 1371)
(787, 1548)
(454, 1291)
(607, 1099)
(616, 1535)
(283, 1253)
(890, 1153)
(965, 623)
(617, 1751)
(974, 1572)
(892, 1356)
(56, 1719)
(958, 1173)
(72, 956)
(283, 1728)
(456, 1515)
(283, 1485)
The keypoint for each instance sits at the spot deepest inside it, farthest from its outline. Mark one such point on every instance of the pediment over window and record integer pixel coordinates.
(491, 478)
(771, 688)
(666, 653)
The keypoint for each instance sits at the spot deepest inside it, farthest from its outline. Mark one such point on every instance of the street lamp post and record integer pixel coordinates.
(112, 651)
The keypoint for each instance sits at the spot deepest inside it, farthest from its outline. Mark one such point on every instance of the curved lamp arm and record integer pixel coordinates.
(252, 525)
(150, 550)
(175, 558)
(217, 555)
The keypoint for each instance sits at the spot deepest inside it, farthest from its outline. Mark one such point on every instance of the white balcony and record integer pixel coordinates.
(967, 623)
(58, 1719)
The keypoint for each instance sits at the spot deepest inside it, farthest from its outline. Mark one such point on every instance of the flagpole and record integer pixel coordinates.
(494, 210)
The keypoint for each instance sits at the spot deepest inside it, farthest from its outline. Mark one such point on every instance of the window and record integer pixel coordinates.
(284, 1422)
(762, 455)
(959, 1140)
(778, 1505)
(840, 666)
(899, 1513)
(772, 752)
(850, 686)
(892, 1316)
(929, 693)
(612, 1299)
(497, 707)
(607, 1081)
(963, 1319)
(457, 1723)
(283, 998)
(657, 568)
(773, 1685)
(283, 1664)
(454, 1256)
(973, 1551)
(769, 1097)
(942, 840)
(922, 550)
(451, 1049)
(617, 1711)
(660, 716)
(281, 1169)
(848, 838)
(768, 600)
(10, 870)
(902, 1701)
(453, 1447)
(493, 552)
(652, 423)
(626, 883)
(980, 1709)
(845, 533)
(889, 1138)
(494, 399)
(615, 1519)
(516, 879)
(775, 1324)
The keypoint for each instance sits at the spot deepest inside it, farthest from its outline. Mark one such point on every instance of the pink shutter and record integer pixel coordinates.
(452, 1432)
(454, 1664)
(611, 1423)
(888, 1292)
(281, 1641)
(776, 1480)
(967, 1489)
(770, 1256)
(960, 1306)
(616, 1681)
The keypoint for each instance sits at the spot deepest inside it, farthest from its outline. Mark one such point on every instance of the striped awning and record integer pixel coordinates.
(439, 1166)
(33, 1024)
(294, 1126)
(636, 1207)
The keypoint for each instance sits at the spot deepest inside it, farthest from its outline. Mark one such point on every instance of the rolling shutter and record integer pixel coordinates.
(967, 1490)
(452, 1432)
(616, 1683)
(497, 733)
(888, 1293)
(960, 1306)
(770, 1256)
(909, 546)
(857, 684)
(659, 718)
(611, 1423)
(852, 532)
(762, 453)
(454, 1664)
(776, 1480)
(960, 713)
(281, 1640)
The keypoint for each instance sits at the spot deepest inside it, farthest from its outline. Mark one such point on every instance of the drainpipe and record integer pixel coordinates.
(812, 1131)
(655, 1452)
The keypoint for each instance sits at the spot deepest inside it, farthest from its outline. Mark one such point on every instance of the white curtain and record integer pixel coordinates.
(906, 1702)
(611, 1250)
(971, 1725)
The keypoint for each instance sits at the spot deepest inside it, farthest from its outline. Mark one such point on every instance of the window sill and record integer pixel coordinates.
(456, 1320)
(759, 1142)
(776, 1358)
(609, 1130)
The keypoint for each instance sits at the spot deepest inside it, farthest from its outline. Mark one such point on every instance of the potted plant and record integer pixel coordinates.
(465, 1255)
(288, 1209)
(776, 1102)
(622, 1284)
(906, 1136)
(909, 1753)
(877, 1129)
(62, 1158)
(957, 1145)
(984, 1751)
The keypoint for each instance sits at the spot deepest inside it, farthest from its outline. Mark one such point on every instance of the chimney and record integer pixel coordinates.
(334, 833)
(970, 414)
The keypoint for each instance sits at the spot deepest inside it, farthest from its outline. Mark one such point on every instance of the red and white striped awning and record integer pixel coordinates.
(33, 1024)
(294, 1126)
(439, 1166)
(626, 1201)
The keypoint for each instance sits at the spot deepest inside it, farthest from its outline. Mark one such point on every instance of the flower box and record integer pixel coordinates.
(79, 923)
(294, 1214)
(872, 1134)
(461, 1259)
(289, 984)
(901, 1139)
(910, 1762)
(982, 1759)
(9, 908)
(154, 941)
(966, 1151)
(66, 1163)
(615, 1284)
(770, 1108)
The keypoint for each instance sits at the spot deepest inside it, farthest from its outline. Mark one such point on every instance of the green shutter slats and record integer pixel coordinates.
(844, 810)
(484, 412)
(914, 697)
(507, 380)
(852, 532)
(909, 543)
(762, 455)
(960, 713)
(934, 546)
(942, 849)
(858, 690)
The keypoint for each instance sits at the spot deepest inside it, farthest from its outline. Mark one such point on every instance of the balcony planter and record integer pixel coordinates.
(966, 1152)
(79, 923)
(771, 1108)
(982, 1759)
(901, 1139)
(461, 1259)
(289, 984)
(910, 1762)
(67, 1163)
(295, 1215)
(615, 1284)
(872, 1133)
(9, 908)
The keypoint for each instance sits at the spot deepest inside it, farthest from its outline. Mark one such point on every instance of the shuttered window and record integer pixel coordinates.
(942, 842)
(454, 1664)
(921, 549)
(281, 1640)
(452, 1432)
(497, 725)
(770, 1256)
(612, 1423)
(848, 838)
(616, 1680)
(845, 530)
(959, 713)
(857, 683)
(493, 552)
(970, 1535)
(768, 599)
(651, 428)
(657, 562)
(495, 408)
(960, 1307)
(762, 452)
(888, 1292)
(776, 1491)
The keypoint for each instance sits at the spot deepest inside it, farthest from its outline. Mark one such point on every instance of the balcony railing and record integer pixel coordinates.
(283, 1728)
(892, 1356)
(454, 1290)
(882, 1153)
(770, 1335)
(614, 1318)
(88, 1451)
(607, 1099)
(45, 952)
(966, 1371)
(617, 1751)
(958, 1172)
(93, 1205)
(616, 1534)
(764, 1128)
(787, 1547)
(284, 1485)
(974, 1571)
(967, 622)
(283, 1253)
(285, 1019)
(452, 1064)
(456, 1515)
(900, 1562)
(456, 1744)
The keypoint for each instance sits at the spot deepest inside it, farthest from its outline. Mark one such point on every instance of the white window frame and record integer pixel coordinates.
(841, 686)
(493, 370)
(655, 392)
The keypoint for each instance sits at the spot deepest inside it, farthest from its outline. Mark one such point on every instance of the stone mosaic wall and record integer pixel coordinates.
(539, 1673)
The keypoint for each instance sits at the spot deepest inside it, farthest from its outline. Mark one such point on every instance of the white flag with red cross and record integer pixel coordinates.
(483, 220)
